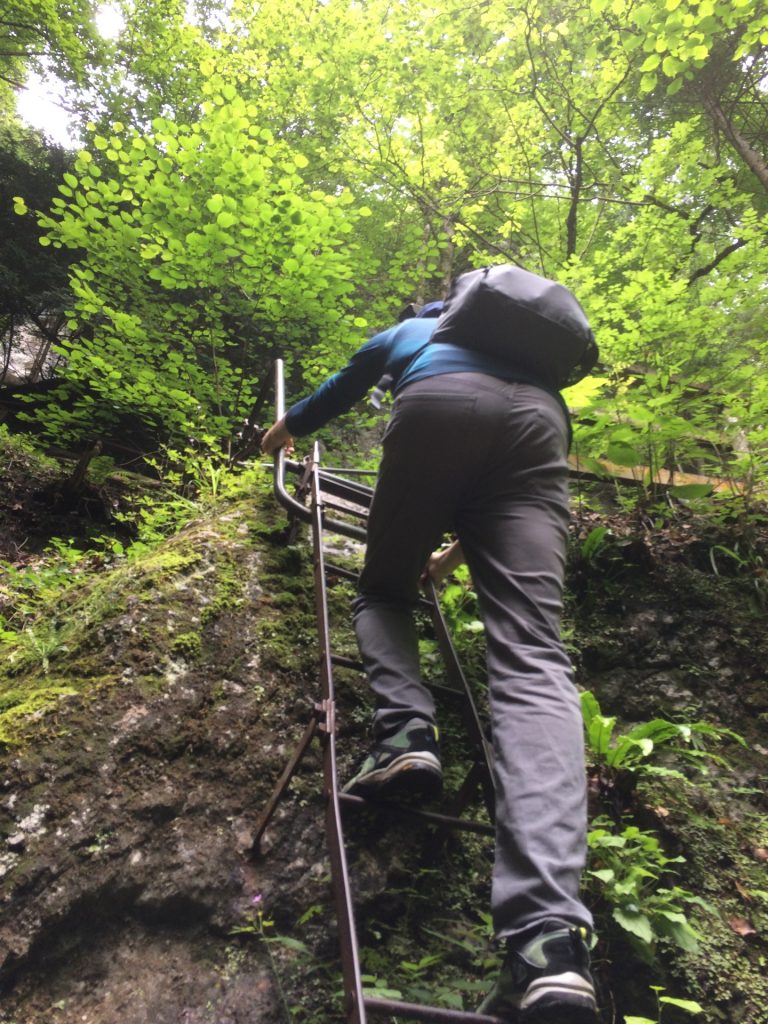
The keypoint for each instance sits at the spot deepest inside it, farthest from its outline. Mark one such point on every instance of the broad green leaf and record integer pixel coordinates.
(690, 491)
(689, 1005)
(634, 922)
(648, 83)
(623, 456)
(606, 875)
(651, 62)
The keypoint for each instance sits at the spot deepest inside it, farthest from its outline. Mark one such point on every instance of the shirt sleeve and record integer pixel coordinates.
(341, 391)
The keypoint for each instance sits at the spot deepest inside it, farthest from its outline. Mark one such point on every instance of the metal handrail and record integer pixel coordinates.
(333, 484)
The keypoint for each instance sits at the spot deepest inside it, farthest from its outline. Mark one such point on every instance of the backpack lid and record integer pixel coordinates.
(494, 291)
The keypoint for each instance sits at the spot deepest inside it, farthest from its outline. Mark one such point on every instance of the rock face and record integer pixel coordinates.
(141, 743)
(129, 892)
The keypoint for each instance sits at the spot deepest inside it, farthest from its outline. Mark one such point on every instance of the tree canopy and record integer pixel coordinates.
(265, 177)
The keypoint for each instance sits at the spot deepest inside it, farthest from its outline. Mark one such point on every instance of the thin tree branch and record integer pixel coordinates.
(709, 267)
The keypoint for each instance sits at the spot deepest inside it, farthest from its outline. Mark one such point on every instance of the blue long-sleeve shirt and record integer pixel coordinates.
(402, 353)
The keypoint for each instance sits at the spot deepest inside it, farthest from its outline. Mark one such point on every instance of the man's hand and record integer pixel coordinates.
(276, 437)
(442, 563)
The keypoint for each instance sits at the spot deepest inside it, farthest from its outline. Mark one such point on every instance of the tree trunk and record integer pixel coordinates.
(754, 161)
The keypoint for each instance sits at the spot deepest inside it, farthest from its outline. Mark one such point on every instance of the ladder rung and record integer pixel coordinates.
(349, 510)
(446, 691)
(341, 662)
(431, 817)
(337, 570)
(348, 574)
(347, 489)
(415, 1011)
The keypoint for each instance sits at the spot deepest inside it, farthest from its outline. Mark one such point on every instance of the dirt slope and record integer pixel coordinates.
(146, 720)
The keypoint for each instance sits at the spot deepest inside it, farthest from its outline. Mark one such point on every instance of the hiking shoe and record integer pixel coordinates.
(406, 764)
(545, 982)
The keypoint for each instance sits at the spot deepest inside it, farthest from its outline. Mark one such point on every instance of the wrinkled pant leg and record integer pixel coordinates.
(411, 510)
(514, 532)
(389, 647)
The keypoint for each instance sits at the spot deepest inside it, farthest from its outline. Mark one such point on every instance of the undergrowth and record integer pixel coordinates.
(659, 864)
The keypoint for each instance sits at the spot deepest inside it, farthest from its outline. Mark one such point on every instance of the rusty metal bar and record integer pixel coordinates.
(282, 783)
(458, 681)
(345, 914)
(415, 1011)
(341, 662)
(430, 817)
(348, 510)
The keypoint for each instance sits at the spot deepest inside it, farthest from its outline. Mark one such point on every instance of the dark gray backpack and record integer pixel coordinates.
(534, 325)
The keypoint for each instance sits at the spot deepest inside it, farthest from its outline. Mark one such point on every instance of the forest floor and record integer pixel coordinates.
(152, 700)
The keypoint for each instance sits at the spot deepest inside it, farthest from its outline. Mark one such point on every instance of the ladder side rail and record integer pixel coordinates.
(458, 681)
(281, 493)
(350, 958)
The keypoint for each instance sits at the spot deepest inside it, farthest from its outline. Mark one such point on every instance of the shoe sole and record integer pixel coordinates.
(417, 775)
(559, 999)
(560, 1013)
(552, 1010)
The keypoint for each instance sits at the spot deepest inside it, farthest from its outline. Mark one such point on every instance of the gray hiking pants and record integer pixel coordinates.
(485, 458)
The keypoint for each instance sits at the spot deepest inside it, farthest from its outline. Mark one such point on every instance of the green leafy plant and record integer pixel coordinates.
(633, 752)
(748, 562)
(629, 866)
(26, 589)
(202, 246)
(38, 644)
(459, 603)
(687, 1005)
(594, 543)
(262, 927)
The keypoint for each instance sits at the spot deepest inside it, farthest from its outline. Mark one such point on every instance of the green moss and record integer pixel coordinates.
(228, 593)
(717, 832)
(188, 646)
(726, 977)
(17, 706)
(176, 554)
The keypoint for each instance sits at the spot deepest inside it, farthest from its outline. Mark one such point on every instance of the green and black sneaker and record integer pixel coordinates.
(406, 764)
(545, 982)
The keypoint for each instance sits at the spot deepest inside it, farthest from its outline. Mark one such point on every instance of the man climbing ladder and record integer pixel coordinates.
(478, 447)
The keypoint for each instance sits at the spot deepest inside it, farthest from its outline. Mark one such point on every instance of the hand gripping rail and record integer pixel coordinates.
(331, 485)
(322, 488)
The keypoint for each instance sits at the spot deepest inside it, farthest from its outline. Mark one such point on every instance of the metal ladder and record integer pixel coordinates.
(332, 497)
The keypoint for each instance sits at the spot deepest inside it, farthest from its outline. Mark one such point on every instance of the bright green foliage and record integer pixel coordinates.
(60, 29)
(204, 250)
(154, 66)
(57, 35)
(472, 134)
(679, 35)
(629, 866)
(687, 1005)
(636, 750)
